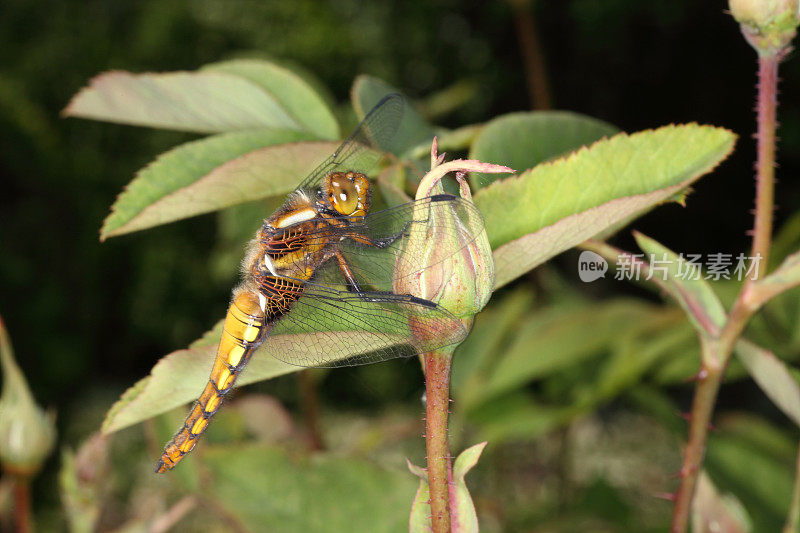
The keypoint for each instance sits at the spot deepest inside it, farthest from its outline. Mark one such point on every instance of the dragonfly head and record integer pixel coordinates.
(348, 193)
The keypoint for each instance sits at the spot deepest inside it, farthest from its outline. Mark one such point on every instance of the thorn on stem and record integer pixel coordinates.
(670, 496)
(701, 375)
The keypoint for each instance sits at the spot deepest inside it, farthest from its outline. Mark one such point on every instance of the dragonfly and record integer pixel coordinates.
(317, 279)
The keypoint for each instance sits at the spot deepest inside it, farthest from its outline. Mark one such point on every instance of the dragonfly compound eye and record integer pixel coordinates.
(344, 195)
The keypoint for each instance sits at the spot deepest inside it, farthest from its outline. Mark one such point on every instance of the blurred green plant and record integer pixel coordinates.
(570, 193)
(27, 433)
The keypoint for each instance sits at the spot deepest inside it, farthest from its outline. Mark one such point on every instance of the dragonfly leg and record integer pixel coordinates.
(347, 272)
(383, 242)
(375, 296)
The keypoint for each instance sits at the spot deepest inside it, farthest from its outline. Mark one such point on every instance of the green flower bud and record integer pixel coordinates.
(768, 25)
(27, 433)
(460, 282)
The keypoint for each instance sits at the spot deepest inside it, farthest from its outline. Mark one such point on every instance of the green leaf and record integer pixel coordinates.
(209, 174)
(463, 518)
(656, 403)
(80, 497)
(391, 183)
(558, 338)
(494, 329)
(203, 102)
(457, 139)
(680, 367)
(560, 204)
(266, 489)
(445, 101)
(639, 349)
(785, 277)
(713, 512)
(296, 96)
(420, 519)
(414, 129)
(517, 416)
(755, 430)
(786, 239)
(695, 296)
(772, 376)
(761, 481)
(523, 140)
(180, 376)
(236, 225)
(448, 140)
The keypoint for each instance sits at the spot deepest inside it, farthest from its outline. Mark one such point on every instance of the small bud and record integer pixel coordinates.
(27, 433)
(768, 25)
(460, 282)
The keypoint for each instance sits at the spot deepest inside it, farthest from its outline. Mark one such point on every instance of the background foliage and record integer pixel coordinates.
(584, 433)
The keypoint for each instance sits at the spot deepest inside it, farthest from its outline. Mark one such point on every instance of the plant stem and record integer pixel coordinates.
(717, 351)
(174, 514)
(717, 346)
(705, 394)
(437, 406)
(765, 164)
(22, 504)
(533, 59)
(309, 399)
(793, 518)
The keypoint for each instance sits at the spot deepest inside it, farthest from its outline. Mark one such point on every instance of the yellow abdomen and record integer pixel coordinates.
(245, 328)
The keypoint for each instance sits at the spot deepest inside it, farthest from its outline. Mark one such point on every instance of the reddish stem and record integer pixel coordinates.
(717, 353)
(22, 505)
(309, 400)
(765, 164)
(437, 405)
(705, 394)
(532, 56)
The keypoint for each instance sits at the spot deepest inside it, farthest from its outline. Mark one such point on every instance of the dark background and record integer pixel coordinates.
(89, 319)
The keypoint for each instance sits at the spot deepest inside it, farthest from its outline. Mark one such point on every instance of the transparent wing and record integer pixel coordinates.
(423, 234)
(362, 151)
(327, 327)
(331, 325)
